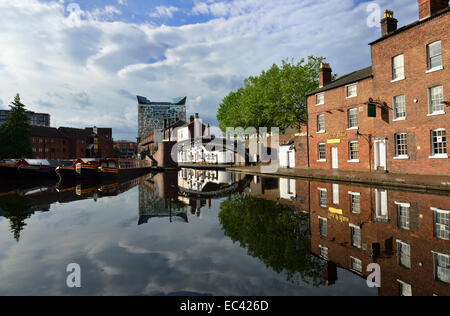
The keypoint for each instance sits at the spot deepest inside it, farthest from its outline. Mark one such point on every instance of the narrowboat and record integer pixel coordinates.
(87, 170)
(8, 169)
(113, 168)
(108, 169)
(68, 170)
(37, 168)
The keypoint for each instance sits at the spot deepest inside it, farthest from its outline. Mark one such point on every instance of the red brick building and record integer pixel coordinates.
(391, 116)
(82, 142)
(48, 143)
(127, 149)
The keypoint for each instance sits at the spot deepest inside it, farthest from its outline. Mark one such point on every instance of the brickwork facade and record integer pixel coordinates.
(407, 87)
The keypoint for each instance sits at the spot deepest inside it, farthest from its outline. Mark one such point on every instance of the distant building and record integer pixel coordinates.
(36, 119)
(48, 143)
(128, 149)
(159, 115)
(89, 142)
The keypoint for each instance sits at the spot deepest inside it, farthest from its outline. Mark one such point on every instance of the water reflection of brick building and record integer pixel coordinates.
(406, 233)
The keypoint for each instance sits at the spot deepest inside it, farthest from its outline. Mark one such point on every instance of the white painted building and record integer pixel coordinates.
(287, 156)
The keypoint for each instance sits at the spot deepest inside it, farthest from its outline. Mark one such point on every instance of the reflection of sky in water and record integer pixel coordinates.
(118, 257)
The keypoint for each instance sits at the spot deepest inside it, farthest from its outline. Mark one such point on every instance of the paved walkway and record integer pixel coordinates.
(415, 182)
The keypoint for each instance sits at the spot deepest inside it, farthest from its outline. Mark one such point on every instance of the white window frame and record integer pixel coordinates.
(359, 262)
(351, 196)
(404, 284)
(436, 274)
(347, 90)
(323, 220)
(435, 212)
(322, 190)
(322, 95)
(403, 205)
(319, 159)
(430, 107)
(402, 264)
(349, 119)
(320, 129)
(433, 154)
(436, 68)
(394, 68)
(397, 155)
(355, 227)
(396, 105)
(321, 255)
(351, 159)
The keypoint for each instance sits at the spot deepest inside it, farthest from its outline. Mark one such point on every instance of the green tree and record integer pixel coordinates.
(276, 98)
(15, 132)
(275, 234)
(116, 151)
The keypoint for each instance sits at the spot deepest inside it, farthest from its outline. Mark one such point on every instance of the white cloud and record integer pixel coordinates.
(163, 11)
(85, 73)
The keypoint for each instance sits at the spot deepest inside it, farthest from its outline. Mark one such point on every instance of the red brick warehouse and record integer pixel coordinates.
(391, 116)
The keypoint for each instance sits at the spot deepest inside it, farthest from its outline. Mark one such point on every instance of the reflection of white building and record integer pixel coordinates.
(288, 189)
(202, 180)
(202, 153)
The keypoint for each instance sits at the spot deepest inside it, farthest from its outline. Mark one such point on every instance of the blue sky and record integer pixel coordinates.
(84, 61)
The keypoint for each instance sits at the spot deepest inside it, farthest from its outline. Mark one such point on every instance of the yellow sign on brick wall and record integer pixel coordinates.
(334, 141)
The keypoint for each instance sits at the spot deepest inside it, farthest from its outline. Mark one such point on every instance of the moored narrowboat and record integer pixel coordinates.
(67, 172)
(108, 169)
(8, 169)
(37, 168)
(87, 170)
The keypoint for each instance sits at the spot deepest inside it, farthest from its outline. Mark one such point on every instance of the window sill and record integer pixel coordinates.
(437, 113)
(439, 157)
(352, 128)
(321, 132)
(398, 79)
(401, 158)
(353, 161)
(317, 104)
(351, 97)
(434, 69)
(399, 119)
(321, 161)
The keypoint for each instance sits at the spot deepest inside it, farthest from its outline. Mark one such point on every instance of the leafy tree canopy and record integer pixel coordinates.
(276, 98)
(116, 151)
(15, 132)
(276, 234)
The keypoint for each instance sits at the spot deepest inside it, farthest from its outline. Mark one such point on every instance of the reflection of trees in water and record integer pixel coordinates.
(276, 234)
(16, 209)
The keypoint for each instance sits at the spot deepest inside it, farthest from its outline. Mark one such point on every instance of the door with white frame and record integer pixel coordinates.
(334, 158)
(380, 154)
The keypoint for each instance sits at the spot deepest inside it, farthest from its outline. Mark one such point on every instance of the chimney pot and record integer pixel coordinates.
(388, 23)
(429, 7)
(324, 74)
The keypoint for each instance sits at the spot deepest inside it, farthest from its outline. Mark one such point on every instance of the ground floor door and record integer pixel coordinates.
(334, 158)
(380, 154)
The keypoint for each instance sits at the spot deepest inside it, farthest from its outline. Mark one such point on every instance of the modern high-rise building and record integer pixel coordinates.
(158, 115)
(36, 119)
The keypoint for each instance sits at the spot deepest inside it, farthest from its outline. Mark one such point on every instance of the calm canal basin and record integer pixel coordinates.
(216, 233)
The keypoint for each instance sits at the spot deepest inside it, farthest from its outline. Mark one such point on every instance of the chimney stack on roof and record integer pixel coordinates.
(324, 74)
(388, 23)
(429, 7)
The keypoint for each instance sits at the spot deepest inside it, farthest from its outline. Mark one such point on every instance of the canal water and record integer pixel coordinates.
(216, 233)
